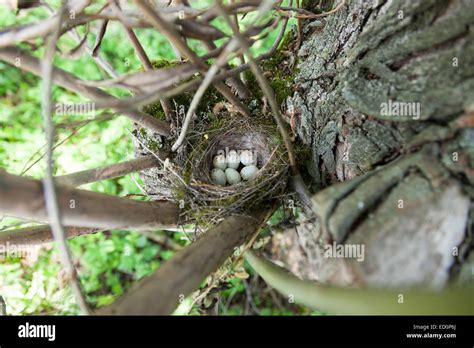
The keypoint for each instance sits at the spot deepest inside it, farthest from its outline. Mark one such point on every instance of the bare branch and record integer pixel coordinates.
(200, 31)
(108, 172)
(75, 124)
(175, 39)
(161, 292)
(40, 234)
(24, 33)
(200, 92)
(23, 197)
(67, 80)
(50, 197)
(77, 51)
(100, 36)
(27, 167)
(152, 80)
(159, 23)
(70, 28)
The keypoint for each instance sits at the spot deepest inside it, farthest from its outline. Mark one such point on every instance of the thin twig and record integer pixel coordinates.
(52, 205)
(200, 92)
(101, 62)
(263, 82)
(100, 36)
(69, 81)
(108, 172)
(27, 168)
(176, 40)
(147, 65)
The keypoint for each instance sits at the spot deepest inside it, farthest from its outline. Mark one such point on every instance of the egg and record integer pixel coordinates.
(233, 159)
(218, 177)
(249, 172)
(248, 158)
(233, 176)
(220, 162)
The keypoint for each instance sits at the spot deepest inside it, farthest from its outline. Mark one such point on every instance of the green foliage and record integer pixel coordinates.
(110, 263)
(34, 285)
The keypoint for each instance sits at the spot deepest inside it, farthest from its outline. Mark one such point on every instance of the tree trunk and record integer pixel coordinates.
(408, 174)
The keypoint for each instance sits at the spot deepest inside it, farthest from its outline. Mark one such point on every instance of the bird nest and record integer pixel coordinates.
(187, 180)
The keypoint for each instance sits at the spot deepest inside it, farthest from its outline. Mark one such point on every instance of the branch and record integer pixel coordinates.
(108, 172)
(40, 234)
(70, 28)
(50, 195)
(210, 74)
(99, 37)
(23, 197)
(338, 300)
(68, 81)
(147, 66)
(174, 37)
(26, 32)
(161, 293)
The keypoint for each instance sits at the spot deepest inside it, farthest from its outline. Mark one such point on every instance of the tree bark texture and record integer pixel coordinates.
(407, 181)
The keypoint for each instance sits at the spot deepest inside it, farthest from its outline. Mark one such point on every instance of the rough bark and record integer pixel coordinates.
(368, 53)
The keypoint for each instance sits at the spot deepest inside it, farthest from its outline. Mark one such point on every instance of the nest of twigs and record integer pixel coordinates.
(187, 180)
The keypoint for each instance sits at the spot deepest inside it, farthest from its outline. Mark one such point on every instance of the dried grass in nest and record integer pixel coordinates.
(187, 180)
(210, 202)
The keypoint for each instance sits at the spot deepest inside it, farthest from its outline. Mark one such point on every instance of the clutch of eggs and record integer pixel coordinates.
(234, 167)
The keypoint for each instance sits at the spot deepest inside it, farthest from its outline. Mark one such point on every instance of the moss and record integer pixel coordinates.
(144, 137)
(209, 99)
(276, 69)
(163, 63)
(312, 5)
